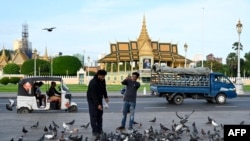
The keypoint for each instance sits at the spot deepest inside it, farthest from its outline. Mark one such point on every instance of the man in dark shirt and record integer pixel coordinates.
(129, 100)
(53, 94)
(95, 93)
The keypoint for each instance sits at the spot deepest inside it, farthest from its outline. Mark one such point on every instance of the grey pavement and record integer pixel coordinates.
(11, 124)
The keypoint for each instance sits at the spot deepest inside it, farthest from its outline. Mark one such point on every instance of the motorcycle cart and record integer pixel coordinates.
(28, 102)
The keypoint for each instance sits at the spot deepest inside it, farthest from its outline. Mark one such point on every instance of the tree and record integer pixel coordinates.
(11, 68)
(42, 67)
(214, 65)
(247, 64)
(66, 65)
(236, 45)
(231, 61)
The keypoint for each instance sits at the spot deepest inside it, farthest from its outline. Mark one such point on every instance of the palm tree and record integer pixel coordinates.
(235, 46)
(231, 61)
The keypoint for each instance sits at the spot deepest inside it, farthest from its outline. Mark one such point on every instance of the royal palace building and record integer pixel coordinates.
(139, 55)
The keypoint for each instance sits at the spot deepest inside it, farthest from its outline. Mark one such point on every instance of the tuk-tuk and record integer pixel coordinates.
(27, 101)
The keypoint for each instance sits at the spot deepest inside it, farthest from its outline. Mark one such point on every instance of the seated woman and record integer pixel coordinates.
(38, 94)
(53, 94)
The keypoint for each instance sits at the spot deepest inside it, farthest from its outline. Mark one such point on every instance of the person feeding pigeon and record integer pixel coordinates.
(95, 93)
(129, 100)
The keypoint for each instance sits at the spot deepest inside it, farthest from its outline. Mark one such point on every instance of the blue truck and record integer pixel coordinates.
(176, 84)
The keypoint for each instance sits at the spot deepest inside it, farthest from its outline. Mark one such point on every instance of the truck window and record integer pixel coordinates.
(221, 79)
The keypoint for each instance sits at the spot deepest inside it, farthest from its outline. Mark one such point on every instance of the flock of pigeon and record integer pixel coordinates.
(179, 130)
(51, 132)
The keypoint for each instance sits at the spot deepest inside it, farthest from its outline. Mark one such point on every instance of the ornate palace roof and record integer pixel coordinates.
(132, 50)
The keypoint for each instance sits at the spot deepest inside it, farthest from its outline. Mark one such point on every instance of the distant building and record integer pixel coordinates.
(210, 57)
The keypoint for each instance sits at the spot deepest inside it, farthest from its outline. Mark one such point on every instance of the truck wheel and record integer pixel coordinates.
(72, 109)
(23, 110)
(178, 99)
(221, 99)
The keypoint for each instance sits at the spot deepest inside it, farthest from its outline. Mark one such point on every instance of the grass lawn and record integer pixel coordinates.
(72, 87)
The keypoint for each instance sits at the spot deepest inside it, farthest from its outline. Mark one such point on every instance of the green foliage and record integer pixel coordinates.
(231, 62)
(42, 67)
(14, 80)
(66, 65)
(5, 80)
(11, 68)
(247, 64)
(214, 65)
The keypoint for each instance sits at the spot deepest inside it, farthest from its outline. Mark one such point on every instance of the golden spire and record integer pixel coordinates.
(3, 53)
(144, 33)
(46, 53)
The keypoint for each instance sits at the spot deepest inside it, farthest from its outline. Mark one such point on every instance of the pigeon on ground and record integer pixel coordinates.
(71, 123)
(24, 130)
(35, 125)
(242, 122)
(164, 127)
(45, 129)
(42, 138)
(134, 122)
(49, 136)
(85, 126)
(153, 120)
(10, 105)
(203, 132)
(57, 126)
(66, 126)
(49, 29)
(140, 124)
(195, 130)
(211, 122)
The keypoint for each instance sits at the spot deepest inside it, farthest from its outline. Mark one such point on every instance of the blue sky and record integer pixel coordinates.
(89, 26)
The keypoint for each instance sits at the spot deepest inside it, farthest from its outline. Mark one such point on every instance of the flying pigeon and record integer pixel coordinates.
(10, 105)
(186, 116)
(49, 29)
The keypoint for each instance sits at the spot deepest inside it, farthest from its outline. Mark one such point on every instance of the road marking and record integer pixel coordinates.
(153, 107)
(226, 106)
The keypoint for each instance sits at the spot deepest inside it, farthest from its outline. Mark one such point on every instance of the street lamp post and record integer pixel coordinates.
(35, 62)
(185, 48)
(88, 67)
(51, 67)
(239, 84)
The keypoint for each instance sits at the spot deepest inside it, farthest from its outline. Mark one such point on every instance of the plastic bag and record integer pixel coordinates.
(123, 91)
(105, 105)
